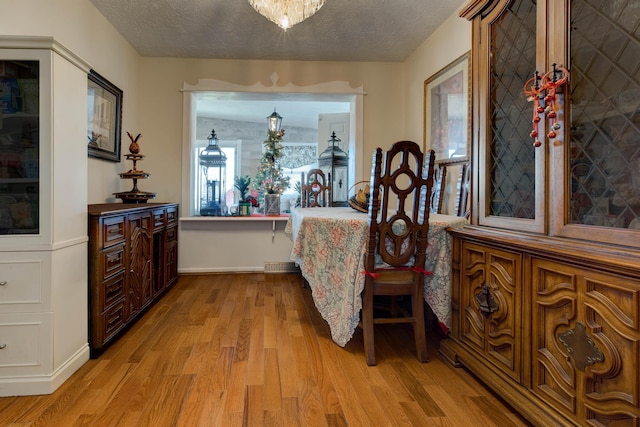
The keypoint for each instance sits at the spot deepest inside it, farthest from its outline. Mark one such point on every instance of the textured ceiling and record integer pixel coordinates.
(342, 30)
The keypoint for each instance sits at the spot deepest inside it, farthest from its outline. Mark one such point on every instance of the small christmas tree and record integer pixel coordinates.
(269, 178)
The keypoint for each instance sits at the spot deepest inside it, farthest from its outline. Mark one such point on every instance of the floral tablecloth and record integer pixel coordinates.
(329, 246)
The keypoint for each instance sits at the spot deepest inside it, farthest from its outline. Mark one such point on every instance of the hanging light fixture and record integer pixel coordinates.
(286, 13)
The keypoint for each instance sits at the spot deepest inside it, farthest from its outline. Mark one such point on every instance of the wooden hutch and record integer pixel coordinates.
(546, 288)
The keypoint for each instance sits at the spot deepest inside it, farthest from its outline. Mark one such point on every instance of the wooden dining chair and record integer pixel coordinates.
(462, 194)
(315, 190)
(401, 186)
(441, 188)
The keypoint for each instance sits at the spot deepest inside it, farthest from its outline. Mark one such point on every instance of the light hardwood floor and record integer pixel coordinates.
(252, 350)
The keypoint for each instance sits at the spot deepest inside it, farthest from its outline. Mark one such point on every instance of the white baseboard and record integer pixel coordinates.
(44, 384)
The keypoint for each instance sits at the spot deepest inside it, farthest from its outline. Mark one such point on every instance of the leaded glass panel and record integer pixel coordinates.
(605, 113)
(511, 154)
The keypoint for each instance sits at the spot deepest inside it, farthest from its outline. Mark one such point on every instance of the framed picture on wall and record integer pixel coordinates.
(104, 116)
(447, 106)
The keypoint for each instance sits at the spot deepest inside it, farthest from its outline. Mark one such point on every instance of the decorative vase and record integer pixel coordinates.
(244, 208)
(272, 204)
(134, 147)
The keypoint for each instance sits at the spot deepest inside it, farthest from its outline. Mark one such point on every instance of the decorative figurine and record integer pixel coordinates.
(134, 147)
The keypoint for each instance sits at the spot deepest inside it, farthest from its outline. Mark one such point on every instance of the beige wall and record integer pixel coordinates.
(232, 245)
(161, 110)
(451, 40)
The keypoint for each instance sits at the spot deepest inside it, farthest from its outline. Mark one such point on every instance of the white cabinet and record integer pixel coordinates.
(23, 335)
(43, 226)
(21, 287)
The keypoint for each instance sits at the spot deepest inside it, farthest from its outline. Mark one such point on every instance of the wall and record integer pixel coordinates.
(386, 85)
(161, 110)
(451, 40)
(152, 102)
(206, 246)
(447, 43)
(157, 114)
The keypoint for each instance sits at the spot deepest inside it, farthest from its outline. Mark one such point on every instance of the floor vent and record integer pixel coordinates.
(281, 267)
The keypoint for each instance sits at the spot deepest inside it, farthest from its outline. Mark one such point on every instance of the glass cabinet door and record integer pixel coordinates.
(603, 185)
(512, 188)
(589, 174)
(19, 147)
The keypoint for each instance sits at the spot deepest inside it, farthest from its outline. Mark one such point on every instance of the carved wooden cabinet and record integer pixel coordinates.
(585, 339)
(165, 247)
(546, 279)
(552, 326)
(492, 316)
(139, 261)
(133, 257)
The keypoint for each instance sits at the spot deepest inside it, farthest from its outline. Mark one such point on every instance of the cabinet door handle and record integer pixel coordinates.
(3, 283)
(487, 303)
(3, 346)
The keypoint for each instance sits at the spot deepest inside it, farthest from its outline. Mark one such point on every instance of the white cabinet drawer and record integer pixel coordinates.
(25, 341)
(21, 282)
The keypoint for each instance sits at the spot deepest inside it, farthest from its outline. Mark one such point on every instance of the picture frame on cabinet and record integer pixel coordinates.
(104, 115)
(447, 110)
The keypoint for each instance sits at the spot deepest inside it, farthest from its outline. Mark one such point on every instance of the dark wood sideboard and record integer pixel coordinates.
(133, 261)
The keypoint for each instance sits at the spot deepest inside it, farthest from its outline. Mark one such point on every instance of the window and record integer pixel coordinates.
(297, 158)
(219, 91)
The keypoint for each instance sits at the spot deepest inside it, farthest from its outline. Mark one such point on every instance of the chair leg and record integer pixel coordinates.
(420, 335)
(367, 326)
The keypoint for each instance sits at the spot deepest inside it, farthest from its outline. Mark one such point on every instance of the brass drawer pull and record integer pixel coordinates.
(4, 283)
(3, 346)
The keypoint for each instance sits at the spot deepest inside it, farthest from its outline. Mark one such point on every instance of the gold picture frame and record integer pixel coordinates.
(447, 107)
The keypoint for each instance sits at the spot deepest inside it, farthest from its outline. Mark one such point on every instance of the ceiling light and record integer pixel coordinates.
(286, 13)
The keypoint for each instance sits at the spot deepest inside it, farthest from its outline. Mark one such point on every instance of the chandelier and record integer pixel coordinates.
(286, 13)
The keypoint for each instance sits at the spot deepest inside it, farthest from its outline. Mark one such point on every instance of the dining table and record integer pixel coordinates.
(329, 246)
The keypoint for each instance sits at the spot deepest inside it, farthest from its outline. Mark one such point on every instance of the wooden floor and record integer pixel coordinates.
(252, 350)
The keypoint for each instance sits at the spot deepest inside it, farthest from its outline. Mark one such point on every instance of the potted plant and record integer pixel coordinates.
(242, 183)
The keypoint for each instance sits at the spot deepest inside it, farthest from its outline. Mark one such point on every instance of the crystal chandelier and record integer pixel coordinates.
(286, 13)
